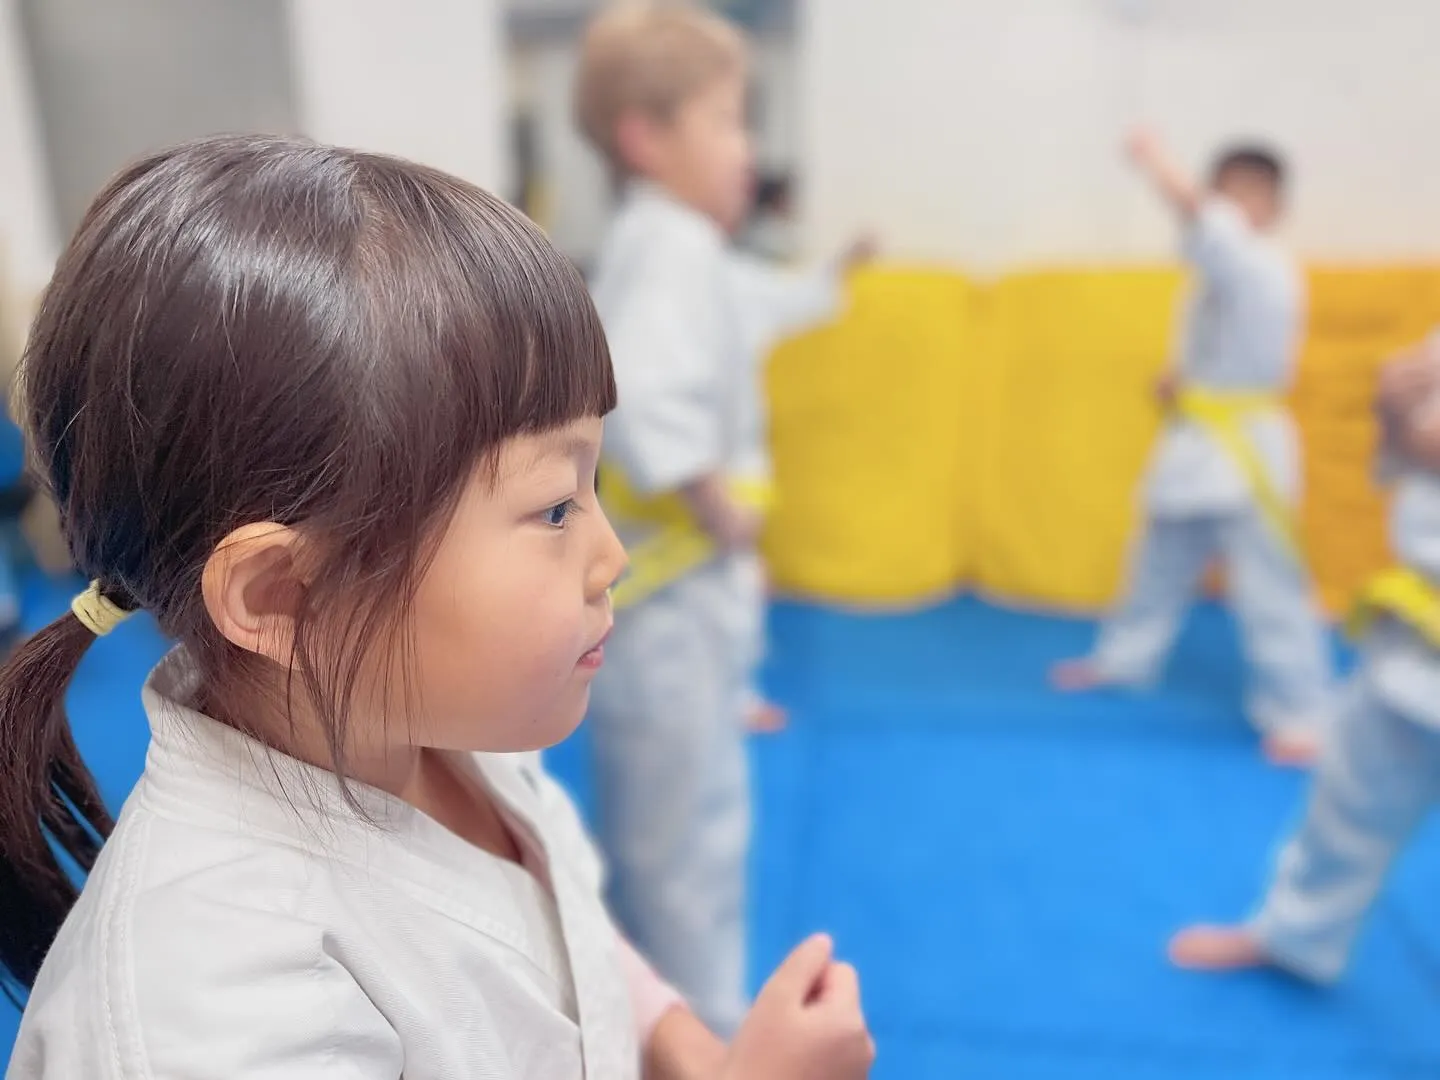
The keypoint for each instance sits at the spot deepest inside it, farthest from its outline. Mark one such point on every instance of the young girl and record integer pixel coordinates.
(333, 419)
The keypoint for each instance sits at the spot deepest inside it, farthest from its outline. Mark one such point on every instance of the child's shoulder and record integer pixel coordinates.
(176, 926)
(180, 934)
(168, 892)
(1222, 244)
(664, 231)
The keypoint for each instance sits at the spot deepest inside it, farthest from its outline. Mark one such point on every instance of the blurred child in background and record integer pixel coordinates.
(1379, 773)
(1225, 478)
(661, 93)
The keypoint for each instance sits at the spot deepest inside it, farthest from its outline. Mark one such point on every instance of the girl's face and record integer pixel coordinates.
(511, 616)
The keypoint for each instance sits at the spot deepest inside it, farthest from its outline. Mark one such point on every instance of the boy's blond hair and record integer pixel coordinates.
(649, 56)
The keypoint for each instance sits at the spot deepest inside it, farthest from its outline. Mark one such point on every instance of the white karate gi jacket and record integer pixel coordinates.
(243, 921)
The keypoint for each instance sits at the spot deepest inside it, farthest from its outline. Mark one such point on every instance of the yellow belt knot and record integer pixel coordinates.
(1223, 415)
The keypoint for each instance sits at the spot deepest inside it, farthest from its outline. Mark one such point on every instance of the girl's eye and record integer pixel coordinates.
(557, 515)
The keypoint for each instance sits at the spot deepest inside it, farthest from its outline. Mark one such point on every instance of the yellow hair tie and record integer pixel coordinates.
(98, 614)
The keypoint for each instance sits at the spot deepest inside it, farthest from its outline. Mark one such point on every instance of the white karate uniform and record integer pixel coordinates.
(1239, 336)
(776, 302)
(667, 709)
(244, 921)
(1379, 776)
(771, 236)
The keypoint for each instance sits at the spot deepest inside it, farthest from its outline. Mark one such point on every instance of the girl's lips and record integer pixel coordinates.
(595, 656)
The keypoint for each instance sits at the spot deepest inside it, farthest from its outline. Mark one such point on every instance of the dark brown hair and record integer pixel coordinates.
(1252, 158)
(250, 329)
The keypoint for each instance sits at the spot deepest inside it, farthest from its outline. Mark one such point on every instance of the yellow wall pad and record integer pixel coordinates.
(872, 434)
(945, 434)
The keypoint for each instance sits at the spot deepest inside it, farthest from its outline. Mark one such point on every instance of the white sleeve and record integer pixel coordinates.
(222, 990)
(776, 302)
(1217, 241)
(669, 347)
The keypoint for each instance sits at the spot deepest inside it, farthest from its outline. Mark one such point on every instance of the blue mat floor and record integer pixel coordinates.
(1002, 864)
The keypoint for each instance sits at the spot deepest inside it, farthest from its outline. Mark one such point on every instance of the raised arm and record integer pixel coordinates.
(1174, 183)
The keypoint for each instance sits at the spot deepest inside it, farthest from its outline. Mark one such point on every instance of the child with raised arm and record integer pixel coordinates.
(1225, 478)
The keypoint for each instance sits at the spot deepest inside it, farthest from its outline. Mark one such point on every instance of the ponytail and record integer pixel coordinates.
(48, 799)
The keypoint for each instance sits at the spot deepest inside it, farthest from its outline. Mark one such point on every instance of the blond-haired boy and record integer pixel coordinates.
(661, 93)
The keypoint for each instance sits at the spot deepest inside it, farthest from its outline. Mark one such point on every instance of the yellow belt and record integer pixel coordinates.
(1223, 415)
(677, 545)
(1402, 593)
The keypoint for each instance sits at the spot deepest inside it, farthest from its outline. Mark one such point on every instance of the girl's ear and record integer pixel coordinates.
(254, 590)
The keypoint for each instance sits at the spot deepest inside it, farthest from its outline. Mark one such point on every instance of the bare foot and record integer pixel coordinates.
(766, 718)
(1217, 948)
(1073, 676)
(1291, 749)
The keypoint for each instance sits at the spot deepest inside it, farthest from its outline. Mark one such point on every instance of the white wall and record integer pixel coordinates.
(28, 235)
(987, 133)
(423, 79)
(777, 135)
(577, 183)
(122, 78)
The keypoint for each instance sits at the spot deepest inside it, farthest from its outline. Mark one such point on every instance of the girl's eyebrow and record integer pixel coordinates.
(560, 444)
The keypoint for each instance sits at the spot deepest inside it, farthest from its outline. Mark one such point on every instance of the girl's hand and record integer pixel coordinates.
(806, 1024)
